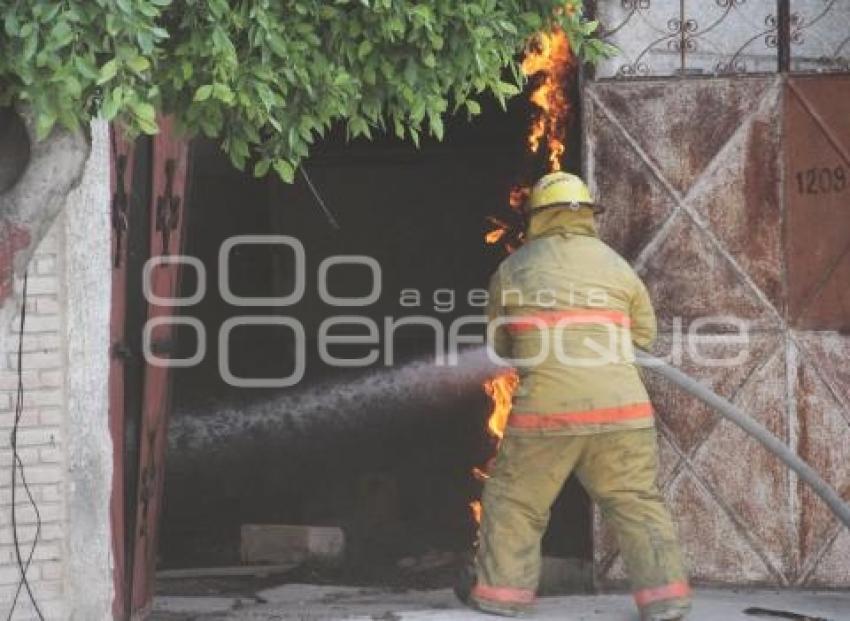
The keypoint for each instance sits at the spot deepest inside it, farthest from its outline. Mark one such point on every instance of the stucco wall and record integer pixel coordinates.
(63, 439)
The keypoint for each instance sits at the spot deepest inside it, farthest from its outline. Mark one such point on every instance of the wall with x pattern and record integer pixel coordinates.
(731, 197)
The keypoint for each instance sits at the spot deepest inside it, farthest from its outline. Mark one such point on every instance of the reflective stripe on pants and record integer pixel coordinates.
(618, 469)
(674, 590)
(599, 416)
(503, 595)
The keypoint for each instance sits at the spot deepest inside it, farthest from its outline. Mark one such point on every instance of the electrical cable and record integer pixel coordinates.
(328, 213)
(18, 467)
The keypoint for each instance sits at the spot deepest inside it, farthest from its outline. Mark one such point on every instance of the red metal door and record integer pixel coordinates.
(169, 177)
(148, 182)
(122, 153)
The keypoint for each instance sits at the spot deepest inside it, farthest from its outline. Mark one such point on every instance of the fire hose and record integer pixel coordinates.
(773, 444)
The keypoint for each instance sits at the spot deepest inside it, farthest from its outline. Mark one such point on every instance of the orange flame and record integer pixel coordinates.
(495, 235)
(549, 55)
(503, 231)
(475, 507)
(549, 60)
(519, 193)
(480, 474)
(500, 389)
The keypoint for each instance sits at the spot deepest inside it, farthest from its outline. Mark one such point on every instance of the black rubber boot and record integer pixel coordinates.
(464, 583)
(501, 610)
(676, 610)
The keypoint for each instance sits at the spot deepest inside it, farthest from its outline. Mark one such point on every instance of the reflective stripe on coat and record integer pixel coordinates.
(566, 311)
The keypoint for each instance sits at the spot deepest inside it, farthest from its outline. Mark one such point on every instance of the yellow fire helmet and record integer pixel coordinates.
(560, 189)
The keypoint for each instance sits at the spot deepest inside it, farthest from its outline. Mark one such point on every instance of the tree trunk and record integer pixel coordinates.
(35, 178)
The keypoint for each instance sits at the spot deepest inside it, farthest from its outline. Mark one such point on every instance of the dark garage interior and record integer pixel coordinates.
(384, 452)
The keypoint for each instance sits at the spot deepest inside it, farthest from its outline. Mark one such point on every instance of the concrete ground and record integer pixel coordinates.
(302, 602)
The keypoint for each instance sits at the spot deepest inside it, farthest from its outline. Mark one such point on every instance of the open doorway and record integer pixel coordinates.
(385, 452)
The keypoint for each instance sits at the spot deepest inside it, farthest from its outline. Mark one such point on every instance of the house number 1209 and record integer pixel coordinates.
(822, 180)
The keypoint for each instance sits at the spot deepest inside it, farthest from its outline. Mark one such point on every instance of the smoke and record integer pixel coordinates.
(365, 400)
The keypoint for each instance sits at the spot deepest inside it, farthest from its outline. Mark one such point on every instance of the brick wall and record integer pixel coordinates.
(41, 438)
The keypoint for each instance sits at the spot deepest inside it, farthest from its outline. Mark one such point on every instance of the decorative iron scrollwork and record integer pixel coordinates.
(821, 42)
(631, 7)
(120, 208)
(721, 37)
(168, 208)
(770, 37)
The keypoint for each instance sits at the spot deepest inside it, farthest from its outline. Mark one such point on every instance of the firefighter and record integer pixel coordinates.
(566, 310)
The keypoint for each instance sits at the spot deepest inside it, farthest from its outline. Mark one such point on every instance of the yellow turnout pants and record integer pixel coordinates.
(618, 469)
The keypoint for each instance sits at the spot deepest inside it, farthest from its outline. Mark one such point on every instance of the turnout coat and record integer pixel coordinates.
(565, 309)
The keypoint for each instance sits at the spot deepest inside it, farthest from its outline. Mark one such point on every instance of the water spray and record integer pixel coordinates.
(342, 405)
(428, 384)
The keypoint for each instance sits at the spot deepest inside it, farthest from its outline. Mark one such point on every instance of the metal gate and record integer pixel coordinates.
(149, 181)
(731, 196)
(732, 199)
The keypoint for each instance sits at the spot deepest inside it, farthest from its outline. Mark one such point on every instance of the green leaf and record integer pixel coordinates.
(108, 71)
(285, 170)
(508, 26)
(358, 127)
(277, 45)
(364, 49)
(589, 27)
(50, 15)
(436, 124)
(145, 39)
(61, 34)
(421, 11)
(223, 93)
(144, 115)
(261, 168)
(411, 71)
(203, 93)
(267, 79)
(30, 45)
(11, 24)
(111, 103)
(86, 68)
(509, 90)
(532, 21)
(138, 63)
(44, 122)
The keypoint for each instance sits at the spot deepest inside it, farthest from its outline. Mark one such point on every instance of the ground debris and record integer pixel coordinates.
(781, 614)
